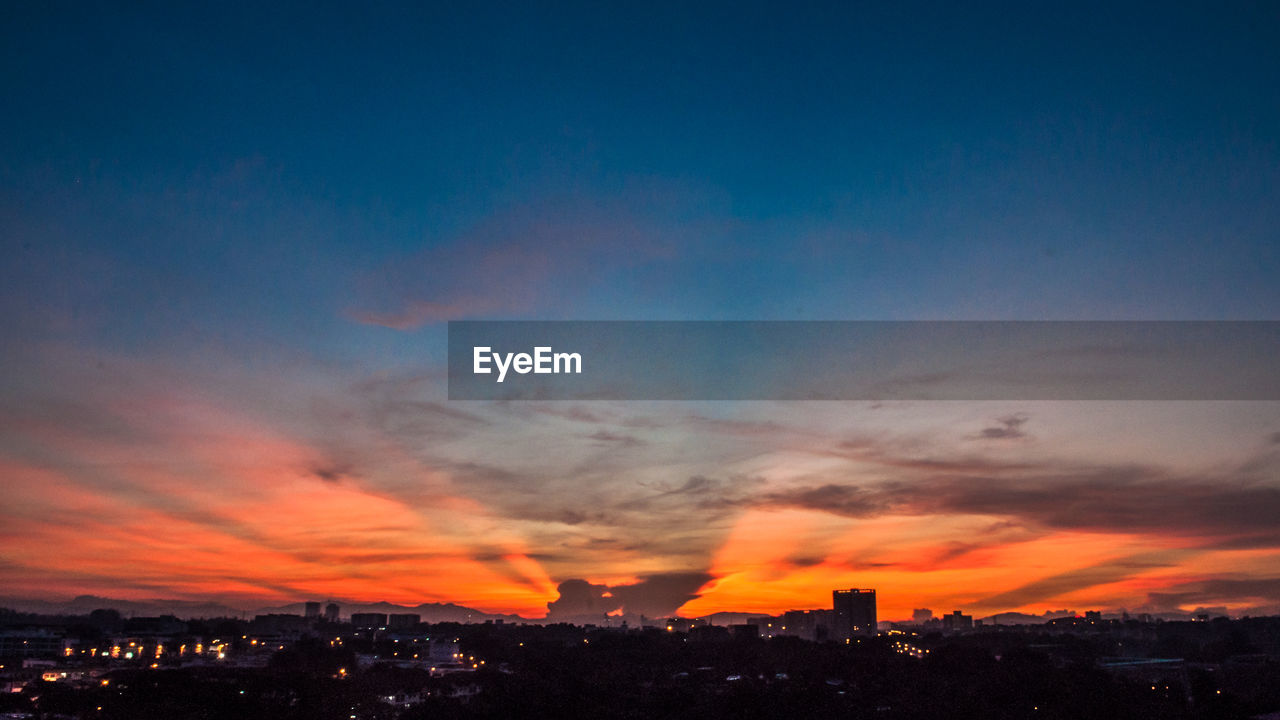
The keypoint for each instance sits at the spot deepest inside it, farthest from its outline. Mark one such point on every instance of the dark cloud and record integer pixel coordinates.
(576, 517)
(485, 478)
(332, 472)
(847, 500)
(709, 492)
(1008, 427)
(696, 485)
(657, 595)
(604, 437)
(1080, 578)
(1262, 593)
(660, 595)
(601, 543)
(886, 454)
(578, 599)
(957, 550)
(1229, 511)
(1109, 499)
(904, 385)
(396, 411)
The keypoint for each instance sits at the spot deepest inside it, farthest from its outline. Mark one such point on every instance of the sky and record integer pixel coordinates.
(233, 235)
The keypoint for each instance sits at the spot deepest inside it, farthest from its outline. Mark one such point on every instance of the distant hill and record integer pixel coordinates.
(729, 618)
(84, 604)
(1015, 618)
(430, 612)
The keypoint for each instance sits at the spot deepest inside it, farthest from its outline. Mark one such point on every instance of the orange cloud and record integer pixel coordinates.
(776, 560)
(187, 501)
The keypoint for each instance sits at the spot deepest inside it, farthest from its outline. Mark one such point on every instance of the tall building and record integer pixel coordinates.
(403, 621)
(313, 610)
(855, 612)
(369, 621)
(957, 621)
(331, 612)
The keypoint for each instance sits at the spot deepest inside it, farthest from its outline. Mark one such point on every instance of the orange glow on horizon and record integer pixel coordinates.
(227, 510)
(756, 569)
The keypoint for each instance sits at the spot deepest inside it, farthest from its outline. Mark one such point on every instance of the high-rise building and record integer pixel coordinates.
(331, 612)
(957, 621)
(855, 612)
(369, 621)
(403, 621)
(313, 610)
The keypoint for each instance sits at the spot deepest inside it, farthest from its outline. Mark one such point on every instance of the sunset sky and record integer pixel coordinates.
(231, 241)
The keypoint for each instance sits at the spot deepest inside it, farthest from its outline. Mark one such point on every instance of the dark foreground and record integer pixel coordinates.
(1224, 669)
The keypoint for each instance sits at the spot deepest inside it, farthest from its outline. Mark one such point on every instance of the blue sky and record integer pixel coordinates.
(916, 161)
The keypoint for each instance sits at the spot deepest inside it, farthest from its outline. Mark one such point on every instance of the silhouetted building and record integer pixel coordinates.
(855, 612)
(154, 626)
(279, 624)
(403, 621)
(679, 624)
(313, 610)
(331, 612)
(366, 621)
(807, 624)
(40, 642)
(957, 621)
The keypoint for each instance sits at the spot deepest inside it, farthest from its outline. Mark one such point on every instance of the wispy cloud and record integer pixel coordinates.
(1227, 510)
(1008, 427)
